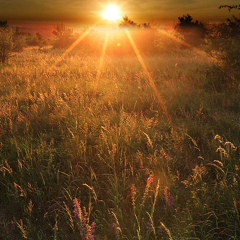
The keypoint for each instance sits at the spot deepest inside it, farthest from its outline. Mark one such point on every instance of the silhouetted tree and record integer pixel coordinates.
(234, 23)
(192, 31)
(185, 22)
(144, 36)
(145, 25)
(128, 23)
(230, 7)
(3, 24)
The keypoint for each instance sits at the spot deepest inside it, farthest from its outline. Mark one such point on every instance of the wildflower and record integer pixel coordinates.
(117, 229)
(145, 195)
(86, 231)
(150, 180)
(77, 209)
(168, 198)
(116, 226)
(90, 232)
(133, 194)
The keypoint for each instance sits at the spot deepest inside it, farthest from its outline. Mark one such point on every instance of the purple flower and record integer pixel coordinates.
(86, 231)
(117, 229)
(77, 209)
(150, 180)
(168, 198)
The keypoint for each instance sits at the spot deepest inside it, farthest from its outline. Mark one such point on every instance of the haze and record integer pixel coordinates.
(89, 11)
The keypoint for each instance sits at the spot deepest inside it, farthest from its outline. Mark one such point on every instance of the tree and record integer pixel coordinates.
(19, 39)
(223, 43)
(144, 36)
(192, 31)
(34, 40)
(3, 24)
(11, 39)
(227, 39)
(230, 7)
(234, 23)
(128, 23)
(64, 36)
(6, 44)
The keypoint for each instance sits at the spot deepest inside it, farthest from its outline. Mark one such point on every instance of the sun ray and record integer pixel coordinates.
(185, 44)
(74, 44)
(150, 79)
(69, 49)
(103, 53)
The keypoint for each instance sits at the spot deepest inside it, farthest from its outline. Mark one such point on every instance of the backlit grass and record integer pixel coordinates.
(81, 159)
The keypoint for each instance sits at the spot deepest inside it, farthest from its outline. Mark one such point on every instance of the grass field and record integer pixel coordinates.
(115, 148)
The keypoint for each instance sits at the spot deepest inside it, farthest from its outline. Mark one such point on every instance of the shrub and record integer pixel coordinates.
(193, 32)
(128, 23)
(6, 44)
(10, 40)
(3, 24)
(19, 40)
(64, 36)
(223, 43)
(34, 40)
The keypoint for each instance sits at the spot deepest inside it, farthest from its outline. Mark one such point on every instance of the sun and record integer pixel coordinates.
(112, 13)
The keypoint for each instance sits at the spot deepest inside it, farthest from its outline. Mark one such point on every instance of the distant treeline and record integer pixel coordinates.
(220, 40)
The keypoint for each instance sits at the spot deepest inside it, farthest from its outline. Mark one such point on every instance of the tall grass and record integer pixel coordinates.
(80, 162)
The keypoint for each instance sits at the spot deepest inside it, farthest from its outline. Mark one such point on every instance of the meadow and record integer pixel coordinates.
(114, 145)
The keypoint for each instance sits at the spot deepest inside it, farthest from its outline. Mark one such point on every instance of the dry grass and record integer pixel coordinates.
(64, 136)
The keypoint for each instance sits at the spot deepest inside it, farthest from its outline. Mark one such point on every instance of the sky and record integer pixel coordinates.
(89, 11)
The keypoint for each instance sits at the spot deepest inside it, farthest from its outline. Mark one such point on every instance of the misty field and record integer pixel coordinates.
(115, 145)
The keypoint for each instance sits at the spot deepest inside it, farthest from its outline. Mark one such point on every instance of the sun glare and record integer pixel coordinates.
(112, 13)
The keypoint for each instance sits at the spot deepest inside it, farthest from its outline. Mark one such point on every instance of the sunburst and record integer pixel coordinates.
(112, 13)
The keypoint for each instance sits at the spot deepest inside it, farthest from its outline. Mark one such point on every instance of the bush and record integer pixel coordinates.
(10, 40)
(193, 32)
(6, 44)
(223, 43)
(64, 36)
(19, 40)
(3, 24)
(128, 23)
(34, 40)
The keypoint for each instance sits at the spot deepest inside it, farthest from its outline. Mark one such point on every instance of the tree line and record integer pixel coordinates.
(219, 39)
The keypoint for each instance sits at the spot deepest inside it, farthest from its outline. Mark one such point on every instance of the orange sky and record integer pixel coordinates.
(88, 11)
